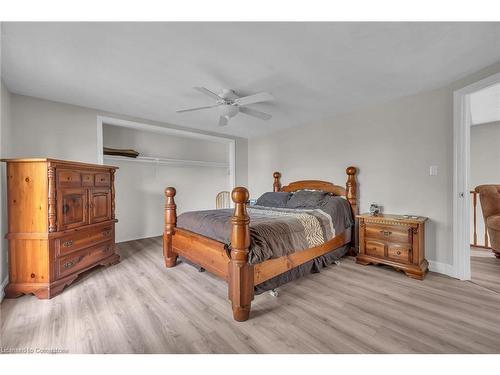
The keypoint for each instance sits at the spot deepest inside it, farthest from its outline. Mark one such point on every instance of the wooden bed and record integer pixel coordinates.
(232, 264)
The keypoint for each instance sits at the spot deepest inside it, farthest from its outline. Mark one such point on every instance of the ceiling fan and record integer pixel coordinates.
(230, 104)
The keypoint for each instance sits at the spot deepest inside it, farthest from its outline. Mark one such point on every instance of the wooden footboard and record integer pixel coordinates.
(207, 253)
(212, 255)
(232, 264)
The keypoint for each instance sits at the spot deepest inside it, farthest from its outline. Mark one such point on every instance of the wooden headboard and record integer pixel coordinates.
(349, 192)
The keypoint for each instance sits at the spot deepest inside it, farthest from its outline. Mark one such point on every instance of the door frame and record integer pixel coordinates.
(461, 175)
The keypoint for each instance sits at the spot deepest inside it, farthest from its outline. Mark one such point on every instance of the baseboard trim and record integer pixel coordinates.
(443, 268)
(2, 287)
(137, 238)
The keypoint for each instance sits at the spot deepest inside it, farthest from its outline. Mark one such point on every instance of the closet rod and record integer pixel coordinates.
(169, 161)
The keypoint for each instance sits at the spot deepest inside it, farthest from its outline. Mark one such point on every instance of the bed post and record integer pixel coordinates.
(169, 230)
(351, 196)
(276, 183)
(351, 189)
(240, 272)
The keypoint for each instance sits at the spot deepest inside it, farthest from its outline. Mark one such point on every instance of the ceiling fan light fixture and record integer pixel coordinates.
(228, 110)
(229, 104)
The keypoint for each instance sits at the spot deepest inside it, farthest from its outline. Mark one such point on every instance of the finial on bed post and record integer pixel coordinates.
(351, 189)
(170, 222)
(277, 182)
(240, 272)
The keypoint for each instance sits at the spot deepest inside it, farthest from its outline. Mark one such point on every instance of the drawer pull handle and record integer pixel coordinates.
(399, 252)
(106, 232)
(68, 243)
(69, 264)
(386, 232)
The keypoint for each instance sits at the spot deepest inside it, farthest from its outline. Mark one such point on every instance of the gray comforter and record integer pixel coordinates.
(275, 232)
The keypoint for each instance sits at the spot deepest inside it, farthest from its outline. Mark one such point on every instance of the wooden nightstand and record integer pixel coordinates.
(395, 241)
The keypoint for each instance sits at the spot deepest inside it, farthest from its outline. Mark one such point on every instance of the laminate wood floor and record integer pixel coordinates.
(485, 271)
(139, 306)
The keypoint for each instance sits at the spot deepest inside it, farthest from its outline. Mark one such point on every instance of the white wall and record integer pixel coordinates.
(485, 154)
(45, 128)
(484, 164)
(5, 149)
(393, 146)
(139, 186)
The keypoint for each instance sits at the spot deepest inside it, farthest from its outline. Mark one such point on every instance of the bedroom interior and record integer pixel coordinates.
(334, 191)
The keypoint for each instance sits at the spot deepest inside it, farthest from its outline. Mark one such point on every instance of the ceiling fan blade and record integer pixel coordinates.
(196, 109)
(223, 121)
(256, 98)
(205, 91)
(255, 113)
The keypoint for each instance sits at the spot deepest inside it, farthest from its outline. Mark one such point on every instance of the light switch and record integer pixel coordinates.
(433, 170)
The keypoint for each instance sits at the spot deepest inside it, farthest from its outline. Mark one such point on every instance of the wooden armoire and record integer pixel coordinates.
(61, 222)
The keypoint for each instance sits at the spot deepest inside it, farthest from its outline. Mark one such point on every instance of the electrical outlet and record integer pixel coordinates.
(433, 170)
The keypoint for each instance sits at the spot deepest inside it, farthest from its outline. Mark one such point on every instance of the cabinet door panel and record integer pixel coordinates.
(71, 208)
(100, 205)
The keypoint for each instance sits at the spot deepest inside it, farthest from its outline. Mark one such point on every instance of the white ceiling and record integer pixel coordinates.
(315, 70)
(485, 105)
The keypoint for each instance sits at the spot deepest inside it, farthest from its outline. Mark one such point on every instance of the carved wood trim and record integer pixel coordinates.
(52, 199)
(388, 222)
(112, 171)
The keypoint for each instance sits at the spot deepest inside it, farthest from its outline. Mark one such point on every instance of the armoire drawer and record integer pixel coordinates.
(83, 238)
(69, 178)
(82, 259)
(102, 179)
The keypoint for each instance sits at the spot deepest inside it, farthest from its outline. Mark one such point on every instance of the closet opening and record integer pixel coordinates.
(199, 166)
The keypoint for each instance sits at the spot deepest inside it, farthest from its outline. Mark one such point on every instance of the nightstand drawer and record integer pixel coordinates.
(399, 253)
(375, 249)
(388, 233)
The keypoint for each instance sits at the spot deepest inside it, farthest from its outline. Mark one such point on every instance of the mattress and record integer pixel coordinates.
(275, 232)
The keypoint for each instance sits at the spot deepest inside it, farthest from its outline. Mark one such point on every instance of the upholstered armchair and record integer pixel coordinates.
(489, 196)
